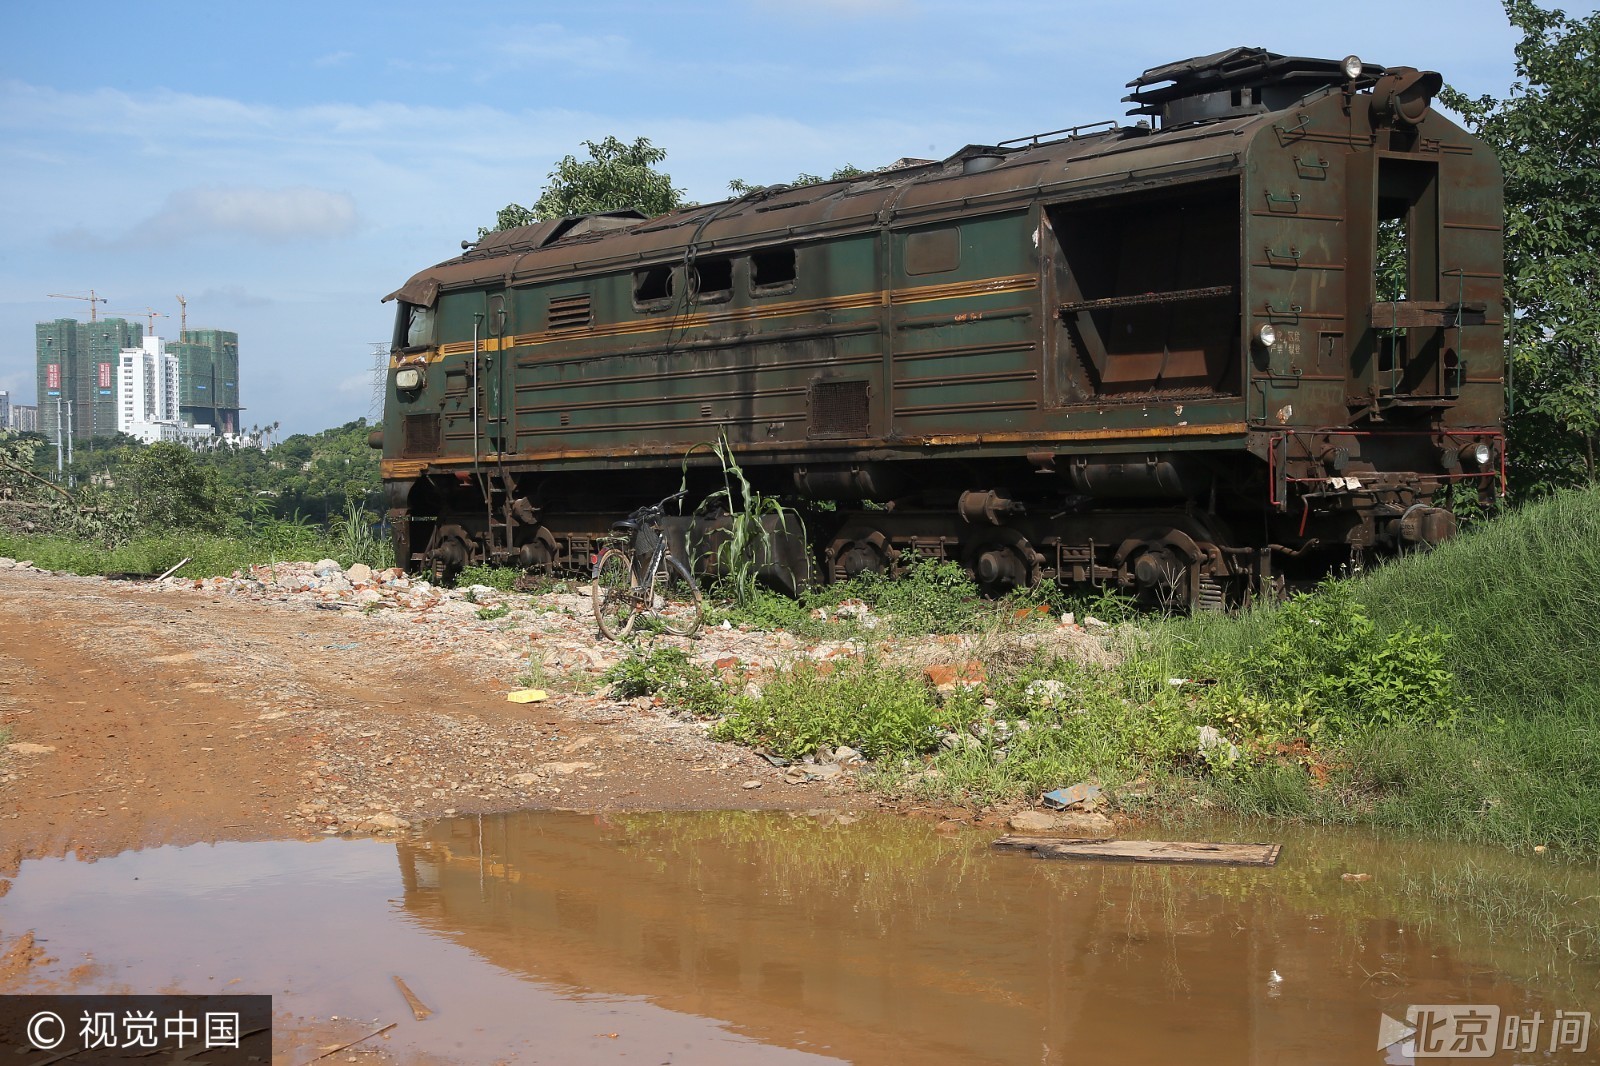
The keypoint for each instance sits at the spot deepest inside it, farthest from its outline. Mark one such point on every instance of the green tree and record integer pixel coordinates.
(616, 177)
(738, 186)
(170, 487)
(1546, 131)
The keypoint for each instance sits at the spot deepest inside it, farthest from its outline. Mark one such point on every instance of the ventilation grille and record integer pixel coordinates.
(839, 409)
(421, 436)
(570, 312)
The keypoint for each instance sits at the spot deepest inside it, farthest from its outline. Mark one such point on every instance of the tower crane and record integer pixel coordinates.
(149, 312)
(183, 317)
(92, 298)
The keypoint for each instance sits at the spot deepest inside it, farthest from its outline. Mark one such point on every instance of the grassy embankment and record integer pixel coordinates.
(1455, 693)
(1520, 599)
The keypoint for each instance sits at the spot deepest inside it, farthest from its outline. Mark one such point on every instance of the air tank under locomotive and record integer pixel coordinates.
(1254, 336)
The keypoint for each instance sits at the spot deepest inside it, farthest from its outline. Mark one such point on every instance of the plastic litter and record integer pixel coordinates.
(1072, 796)
(527, 695)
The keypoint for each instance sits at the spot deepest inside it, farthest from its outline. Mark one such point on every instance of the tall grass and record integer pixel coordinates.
(1520, 595)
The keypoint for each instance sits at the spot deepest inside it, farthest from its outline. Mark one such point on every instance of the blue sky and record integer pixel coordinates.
(286, 165)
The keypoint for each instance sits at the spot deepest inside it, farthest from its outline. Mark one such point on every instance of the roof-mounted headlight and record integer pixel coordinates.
(1352, 67)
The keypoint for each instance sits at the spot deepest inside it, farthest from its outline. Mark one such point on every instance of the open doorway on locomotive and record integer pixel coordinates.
(1243, 341)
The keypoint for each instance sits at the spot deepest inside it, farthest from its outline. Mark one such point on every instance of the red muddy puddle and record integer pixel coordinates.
(739, 937)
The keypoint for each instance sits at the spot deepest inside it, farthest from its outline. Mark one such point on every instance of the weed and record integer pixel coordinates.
(489, 614)
(1326, 657)
(503, 578)
(355, 540)
(536, 674)
(750, 546)
(930, 596)
(873, 707)
(669, 674)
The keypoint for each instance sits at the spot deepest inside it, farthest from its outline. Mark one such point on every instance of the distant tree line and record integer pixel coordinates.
(118, 487)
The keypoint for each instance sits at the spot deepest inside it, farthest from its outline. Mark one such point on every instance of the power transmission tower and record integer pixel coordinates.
(380, 377)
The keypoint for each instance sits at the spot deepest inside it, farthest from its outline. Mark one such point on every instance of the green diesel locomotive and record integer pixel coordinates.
(1249, 338)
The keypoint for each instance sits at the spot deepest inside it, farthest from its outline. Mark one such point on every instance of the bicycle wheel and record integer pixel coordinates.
(615, 606)
(675, 598)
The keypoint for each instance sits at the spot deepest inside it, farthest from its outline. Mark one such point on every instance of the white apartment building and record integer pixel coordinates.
(147, 395)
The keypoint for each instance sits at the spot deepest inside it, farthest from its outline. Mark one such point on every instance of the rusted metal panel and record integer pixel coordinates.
(1425, 314)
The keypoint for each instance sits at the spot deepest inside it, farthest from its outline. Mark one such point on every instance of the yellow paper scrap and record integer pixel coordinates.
(527, 695)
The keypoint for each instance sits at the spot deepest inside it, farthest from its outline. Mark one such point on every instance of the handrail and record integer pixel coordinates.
(1071, 132)
(1145, 298)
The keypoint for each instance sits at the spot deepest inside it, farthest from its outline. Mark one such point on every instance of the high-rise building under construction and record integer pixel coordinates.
(79, 380)
(208, 378)
(77, 373)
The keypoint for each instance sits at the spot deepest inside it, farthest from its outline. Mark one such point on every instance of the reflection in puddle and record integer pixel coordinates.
(740, 937)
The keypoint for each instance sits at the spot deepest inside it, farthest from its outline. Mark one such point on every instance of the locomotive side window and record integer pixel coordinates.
(652, 288)
(1406, 268)
(934, 251)
(713, 280)
(1151, 287)
(772, 271)
(413, 327)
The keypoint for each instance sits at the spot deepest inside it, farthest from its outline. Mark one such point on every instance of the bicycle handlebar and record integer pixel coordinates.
(656, 510)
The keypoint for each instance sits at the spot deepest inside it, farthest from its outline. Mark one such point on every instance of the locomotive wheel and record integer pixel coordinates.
(861, 550)
(449, 551)
(1001, 560)
(538, 556)
(1168, 570)
(1162, 579)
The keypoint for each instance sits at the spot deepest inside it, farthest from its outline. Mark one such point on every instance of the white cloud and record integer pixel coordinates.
(230, 296)
(332, 59)
(549, 44)
(282, 215)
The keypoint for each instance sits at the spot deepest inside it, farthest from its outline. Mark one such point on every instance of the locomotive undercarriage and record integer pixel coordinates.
(1011, 523)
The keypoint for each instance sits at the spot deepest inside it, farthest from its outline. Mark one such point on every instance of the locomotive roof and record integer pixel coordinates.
(1082, 161)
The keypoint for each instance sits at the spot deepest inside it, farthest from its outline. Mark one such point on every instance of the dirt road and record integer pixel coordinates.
(140, 716)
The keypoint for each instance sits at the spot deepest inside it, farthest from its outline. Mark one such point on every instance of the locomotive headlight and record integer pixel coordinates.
(1267, 335)
(1352, 67)
(408, 379)
(1481, 454)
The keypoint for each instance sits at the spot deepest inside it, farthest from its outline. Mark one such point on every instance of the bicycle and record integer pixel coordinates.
(638, 576)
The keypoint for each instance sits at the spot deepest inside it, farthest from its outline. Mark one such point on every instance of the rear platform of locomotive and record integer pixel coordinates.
(1247, 340)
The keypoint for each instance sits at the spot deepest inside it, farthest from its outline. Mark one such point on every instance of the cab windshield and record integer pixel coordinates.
(414, 328)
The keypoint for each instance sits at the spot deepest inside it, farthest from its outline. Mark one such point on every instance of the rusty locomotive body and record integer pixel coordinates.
(1155, 356)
